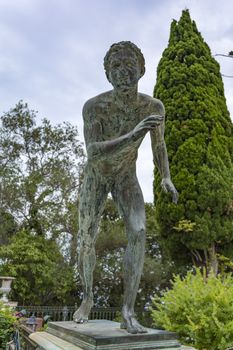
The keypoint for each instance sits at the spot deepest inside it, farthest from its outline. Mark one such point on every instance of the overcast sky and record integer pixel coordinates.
(52, 52)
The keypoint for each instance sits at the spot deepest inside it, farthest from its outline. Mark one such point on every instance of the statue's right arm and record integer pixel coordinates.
(101, 150)
(105, 149)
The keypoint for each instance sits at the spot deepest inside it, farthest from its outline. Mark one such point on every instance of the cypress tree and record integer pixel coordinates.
(200, 148)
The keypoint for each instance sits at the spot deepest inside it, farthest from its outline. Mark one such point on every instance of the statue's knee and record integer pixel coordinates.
(139, 234)
(87, 245)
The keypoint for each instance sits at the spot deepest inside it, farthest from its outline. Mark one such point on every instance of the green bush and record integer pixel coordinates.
(7, 321)
(199, 309)
(43, 277)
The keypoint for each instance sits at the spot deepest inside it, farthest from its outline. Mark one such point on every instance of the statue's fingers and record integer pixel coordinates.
(145, 127)
(164, 188)
(154, 117)
(175, 197)
(148, 128)
(157, 116)
(152, 123)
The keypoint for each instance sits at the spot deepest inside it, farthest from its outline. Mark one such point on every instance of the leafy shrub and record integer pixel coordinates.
(42, 274)
(199, 309)
(7, 321)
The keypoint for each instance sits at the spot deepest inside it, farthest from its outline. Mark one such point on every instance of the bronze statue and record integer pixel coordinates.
(115, 123)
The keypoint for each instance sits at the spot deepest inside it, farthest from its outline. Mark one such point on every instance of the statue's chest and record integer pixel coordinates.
(118, 123)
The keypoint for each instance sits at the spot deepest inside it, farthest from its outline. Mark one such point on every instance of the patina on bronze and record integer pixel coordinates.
(115, 123)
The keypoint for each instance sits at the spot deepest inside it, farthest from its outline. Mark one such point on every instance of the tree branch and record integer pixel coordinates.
(220, 54)
(227, 76)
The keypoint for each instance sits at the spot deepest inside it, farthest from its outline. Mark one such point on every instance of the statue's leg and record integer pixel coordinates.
(128, 195)
(92, 199)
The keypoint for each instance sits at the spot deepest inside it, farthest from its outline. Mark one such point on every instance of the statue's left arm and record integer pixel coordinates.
(160, 156)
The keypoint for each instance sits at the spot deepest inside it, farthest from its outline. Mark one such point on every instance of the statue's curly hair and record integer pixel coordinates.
(123, 45)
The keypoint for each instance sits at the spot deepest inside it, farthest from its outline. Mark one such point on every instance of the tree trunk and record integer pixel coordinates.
(213, 261)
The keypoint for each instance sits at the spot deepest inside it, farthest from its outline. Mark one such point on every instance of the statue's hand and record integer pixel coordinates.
(149, 123)
(168, 186)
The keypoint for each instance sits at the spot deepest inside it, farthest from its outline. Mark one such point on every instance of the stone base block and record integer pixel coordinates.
(107, 335)
(46, 341)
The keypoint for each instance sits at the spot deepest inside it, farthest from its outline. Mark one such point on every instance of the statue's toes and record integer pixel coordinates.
(132, 330)
(129, 327)
(141, 330)
(138, 327)
(79, 317)
(132, 326)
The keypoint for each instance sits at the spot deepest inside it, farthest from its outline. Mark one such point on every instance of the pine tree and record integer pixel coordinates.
(200, 148)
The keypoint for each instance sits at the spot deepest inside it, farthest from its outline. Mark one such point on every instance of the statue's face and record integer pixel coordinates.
(124, 70)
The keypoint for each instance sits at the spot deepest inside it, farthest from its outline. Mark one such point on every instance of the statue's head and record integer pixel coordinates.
(124, 64)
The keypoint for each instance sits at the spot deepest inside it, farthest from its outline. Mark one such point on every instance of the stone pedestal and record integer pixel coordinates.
(107, 335)
(6, 288)
(11, 304)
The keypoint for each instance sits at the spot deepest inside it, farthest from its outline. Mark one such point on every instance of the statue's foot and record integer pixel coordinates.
(132, 325)
(81, 315)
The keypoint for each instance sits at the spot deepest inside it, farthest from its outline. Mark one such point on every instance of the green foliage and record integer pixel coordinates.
(7, 321)
(40, 176)
(8, 227)
(42, 276)
(185, 226)
(200, 310)
(199, 139)
(118, 317)
(225, 264)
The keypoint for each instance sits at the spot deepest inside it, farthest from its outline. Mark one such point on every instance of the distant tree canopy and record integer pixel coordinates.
(42, 275)
(199, 138)
(41, 169)
(40, 176)
(8, 227)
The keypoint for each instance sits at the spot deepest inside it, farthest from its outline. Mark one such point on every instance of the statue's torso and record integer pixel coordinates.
(108, 119)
